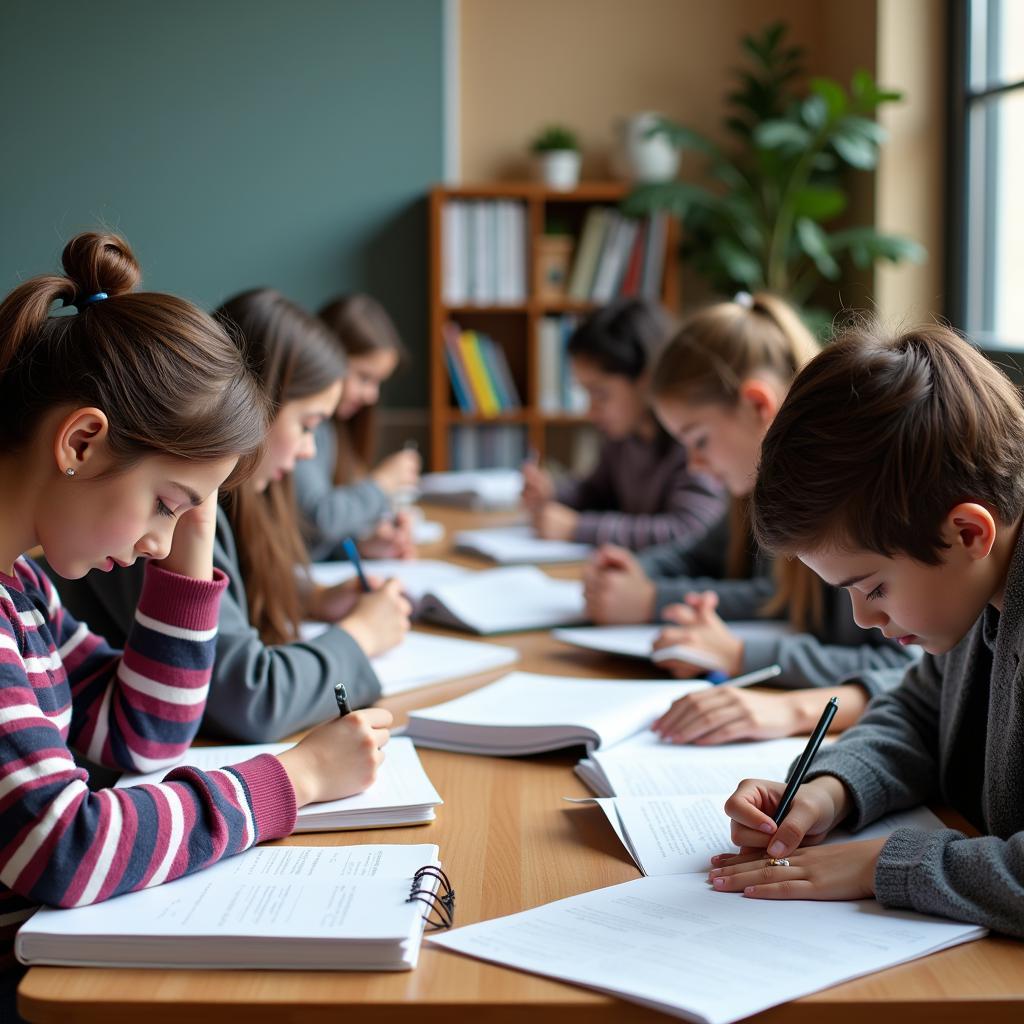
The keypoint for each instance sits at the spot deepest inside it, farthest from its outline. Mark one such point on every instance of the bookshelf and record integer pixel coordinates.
(516, 326)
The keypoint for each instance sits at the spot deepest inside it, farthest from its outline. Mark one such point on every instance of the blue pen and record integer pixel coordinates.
(716, 677)
(350, 549)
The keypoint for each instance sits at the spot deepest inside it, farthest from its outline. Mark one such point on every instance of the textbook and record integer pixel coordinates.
(671, 943)
(325, 908)
(524, 713)
(638, 641)
(504, 600)
(402, 794)
(510, 545)
(473, 488)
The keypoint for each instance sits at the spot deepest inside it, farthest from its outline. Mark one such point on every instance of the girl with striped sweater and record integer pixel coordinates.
(118, 425)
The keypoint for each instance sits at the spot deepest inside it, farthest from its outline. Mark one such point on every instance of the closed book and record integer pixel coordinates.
(581, 278)
(483, 394)
(654, 256)
(606, 273)
(634, 266)
(453, 252)
(458, 371)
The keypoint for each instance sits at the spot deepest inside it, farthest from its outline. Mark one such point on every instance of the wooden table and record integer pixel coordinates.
(509, 842)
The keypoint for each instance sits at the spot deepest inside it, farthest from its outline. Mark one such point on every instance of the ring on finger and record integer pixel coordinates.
(778, 862)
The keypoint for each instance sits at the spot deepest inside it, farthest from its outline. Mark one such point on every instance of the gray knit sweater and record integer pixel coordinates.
(839, 652)
(330, 514)
(257, 693)
(952, 733)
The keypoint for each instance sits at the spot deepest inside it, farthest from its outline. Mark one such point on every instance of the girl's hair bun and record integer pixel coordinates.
(100, 263)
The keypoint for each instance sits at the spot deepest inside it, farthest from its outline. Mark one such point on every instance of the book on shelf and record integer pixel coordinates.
(618, 256)
(558, 390)
(479, 372)
(483, 252)
(487, 446)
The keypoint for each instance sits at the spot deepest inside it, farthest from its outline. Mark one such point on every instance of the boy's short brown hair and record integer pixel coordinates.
(880, 436)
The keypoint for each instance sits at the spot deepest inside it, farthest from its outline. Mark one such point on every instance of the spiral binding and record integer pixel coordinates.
(440, 898)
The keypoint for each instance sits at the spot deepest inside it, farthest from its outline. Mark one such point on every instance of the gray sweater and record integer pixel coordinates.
(329, 513)
(952, 733)
(840, 649)
(257, 693)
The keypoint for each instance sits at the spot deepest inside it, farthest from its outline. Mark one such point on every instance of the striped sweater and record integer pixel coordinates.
(61, 685)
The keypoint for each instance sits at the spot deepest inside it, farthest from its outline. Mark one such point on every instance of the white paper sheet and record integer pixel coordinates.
(671, 943)
(417, 575)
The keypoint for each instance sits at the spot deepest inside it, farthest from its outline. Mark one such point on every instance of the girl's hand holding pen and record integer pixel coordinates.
(380, 619)
(843, 871)
(726, 714)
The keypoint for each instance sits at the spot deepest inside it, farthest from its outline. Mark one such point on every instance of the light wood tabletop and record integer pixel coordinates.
(509, 842)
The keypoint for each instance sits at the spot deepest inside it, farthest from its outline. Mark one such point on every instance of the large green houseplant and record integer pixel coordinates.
(779, 183)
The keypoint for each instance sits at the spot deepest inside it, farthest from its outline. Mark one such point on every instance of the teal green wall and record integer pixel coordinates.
(234, 144)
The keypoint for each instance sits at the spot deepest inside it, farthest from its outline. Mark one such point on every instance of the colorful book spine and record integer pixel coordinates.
(480, 382)
(457, 372)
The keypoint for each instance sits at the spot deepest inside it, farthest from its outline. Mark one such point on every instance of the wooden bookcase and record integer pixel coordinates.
(516, 327)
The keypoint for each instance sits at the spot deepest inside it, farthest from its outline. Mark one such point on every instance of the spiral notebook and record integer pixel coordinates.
(326, 908)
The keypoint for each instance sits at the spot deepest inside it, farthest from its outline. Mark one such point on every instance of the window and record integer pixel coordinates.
(988, 142)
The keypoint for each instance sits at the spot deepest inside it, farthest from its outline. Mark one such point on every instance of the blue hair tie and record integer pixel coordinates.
(98, 297)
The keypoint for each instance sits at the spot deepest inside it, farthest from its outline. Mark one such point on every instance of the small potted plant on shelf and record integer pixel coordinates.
(558, 157)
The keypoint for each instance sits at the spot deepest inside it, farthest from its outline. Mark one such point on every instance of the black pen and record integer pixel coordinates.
(797, 778)
(341, 696)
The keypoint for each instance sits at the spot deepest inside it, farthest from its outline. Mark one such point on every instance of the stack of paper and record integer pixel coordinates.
(474, 488)
(302, 908)
(401, 794)
(504, 601)
(525, 713)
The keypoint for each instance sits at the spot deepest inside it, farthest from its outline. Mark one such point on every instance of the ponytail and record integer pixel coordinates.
(168, 379)
(707, 361)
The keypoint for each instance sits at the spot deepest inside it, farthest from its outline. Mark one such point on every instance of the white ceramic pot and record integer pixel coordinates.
(560, 169)
(646, 160)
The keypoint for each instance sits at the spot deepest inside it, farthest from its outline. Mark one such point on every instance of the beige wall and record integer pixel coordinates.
(526, 63)
(910, 180)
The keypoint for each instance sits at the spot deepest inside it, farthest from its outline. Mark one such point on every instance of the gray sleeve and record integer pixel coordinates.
(330, 514)
(705, 558)
(889, 760)
(806, 662)
(259, 694)
(980, 880)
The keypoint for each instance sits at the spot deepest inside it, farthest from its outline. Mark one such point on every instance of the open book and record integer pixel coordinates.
(504, 600)
(477, 488)
(402, 794)
(511, 545)
(638, 641)
(284, 907)
(671, 943)
(525, 713)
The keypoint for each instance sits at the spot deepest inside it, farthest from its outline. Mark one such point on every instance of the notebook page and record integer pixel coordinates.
(417, 575)
(503, 600)
(423, 658)
(401, 780)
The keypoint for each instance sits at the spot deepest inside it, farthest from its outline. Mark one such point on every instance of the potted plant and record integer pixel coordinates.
(779, 183)
(558, 157)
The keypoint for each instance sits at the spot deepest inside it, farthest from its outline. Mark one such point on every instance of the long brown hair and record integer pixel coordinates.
(715, 350)
(880, 436)
(363, 326)
(294, 356)
(169, 379)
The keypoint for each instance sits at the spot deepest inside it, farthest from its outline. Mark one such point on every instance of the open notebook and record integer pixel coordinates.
(504, 601)
(644, 765)
(638, 641)
(511, 545)
(524, 713)
(422, 659)
(402, 794)
(418, 575)
(477, 488)
(670, 942)
(286, 907)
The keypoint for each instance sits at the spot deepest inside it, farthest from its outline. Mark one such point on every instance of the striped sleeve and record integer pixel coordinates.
(692, 508)
(139, 709)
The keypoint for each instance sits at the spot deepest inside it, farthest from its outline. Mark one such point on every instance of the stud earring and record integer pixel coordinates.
(69, 471)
